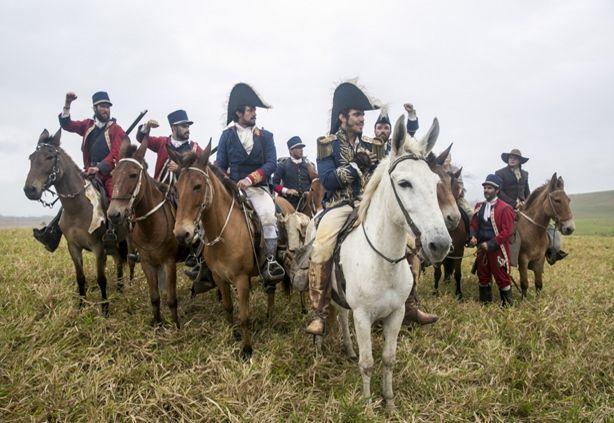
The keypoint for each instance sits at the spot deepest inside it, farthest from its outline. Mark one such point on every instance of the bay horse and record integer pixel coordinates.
(452, 264)
(207, 197)
(137, 200)
(548, 202)
(50, 166)
(401, 197)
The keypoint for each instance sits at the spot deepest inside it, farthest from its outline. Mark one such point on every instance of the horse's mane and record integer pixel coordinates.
(408, 148)
(534, 195)
(227, 183)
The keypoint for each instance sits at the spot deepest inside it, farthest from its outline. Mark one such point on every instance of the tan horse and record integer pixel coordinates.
(545, 203)
(207, 198)
(51, 166)
(138, 200)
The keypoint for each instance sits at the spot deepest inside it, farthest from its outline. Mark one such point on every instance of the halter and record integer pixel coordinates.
(408, 219)
(206, 203)
(393, 165)
(136, 191)
(53, 176)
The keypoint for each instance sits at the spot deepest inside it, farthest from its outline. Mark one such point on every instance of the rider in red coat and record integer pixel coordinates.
(179, 141)
(492, 226)
(102, 137)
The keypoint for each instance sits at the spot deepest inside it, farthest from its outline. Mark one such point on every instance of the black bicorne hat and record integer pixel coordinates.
(348, 96)
(383, 117)
(243, 95)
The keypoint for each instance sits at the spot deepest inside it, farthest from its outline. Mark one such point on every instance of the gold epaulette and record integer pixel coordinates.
(377, 145)
(325, 146)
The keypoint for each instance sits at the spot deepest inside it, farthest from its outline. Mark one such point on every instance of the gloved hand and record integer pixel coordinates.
(363, 161)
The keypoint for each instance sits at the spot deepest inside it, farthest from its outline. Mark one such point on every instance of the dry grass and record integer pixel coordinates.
(548, 359)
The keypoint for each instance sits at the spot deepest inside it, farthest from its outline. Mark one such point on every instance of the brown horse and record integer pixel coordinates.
(207, 198)
(547, 202)
(452, 263)
(137, 199)
(51, 166)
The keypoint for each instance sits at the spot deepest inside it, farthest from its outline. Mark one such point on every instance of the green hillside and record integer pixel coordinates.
(594, 213)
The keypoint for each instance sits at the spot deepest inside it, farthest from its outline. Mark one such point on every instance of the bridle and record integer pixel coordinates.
(408, 218)
(556, 217)
(206, 203)
(52, 177)
(135, 193)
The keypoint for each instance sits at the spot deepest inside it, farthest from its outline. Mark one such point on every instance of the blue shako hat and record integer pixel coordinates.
(295, 142)
(101, 97)
(348, 96)
(493, 180)
(178, 117)
(243, 95)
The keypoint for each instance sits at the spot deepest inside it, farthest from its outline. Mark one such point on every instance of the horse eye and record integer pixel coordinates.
(556, 200)
(405, 184)
(49, 158)
(198, 187)
(133, 176)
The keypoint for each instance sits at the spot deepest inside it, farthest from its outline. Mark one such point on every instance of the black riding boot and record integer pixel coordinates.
(485, 294)
(51, 234)
(202, 278)
(272, 271)
(506, 298)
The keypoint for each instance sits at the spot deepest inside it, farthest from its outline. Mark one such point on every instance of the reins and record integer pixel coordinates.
(52, 178)
(135, 193)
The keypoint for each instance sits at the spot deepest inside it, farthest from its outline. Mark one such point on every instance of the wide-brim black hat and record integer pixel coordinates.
(243, 95)
(515, 152)
(349, 96)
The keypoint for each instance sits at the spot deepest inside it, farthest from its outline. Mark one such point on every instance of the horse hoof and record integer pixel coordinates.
(246, 352)
(390, 407)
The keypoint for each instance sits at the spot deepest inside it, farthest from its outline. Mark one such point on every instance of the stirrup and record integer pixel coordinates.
(273, 271)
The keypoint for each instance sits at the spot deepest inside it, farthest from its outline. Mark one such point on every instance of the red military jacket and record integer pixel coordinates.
(159, 145)
(113, 134)
(504, 217)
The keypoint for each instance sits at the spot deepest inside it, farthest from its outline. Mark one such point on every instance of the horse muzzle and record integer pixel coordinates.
(568, 227)
(32, 192)
(184, 234)
(115, 214)
(436, 248)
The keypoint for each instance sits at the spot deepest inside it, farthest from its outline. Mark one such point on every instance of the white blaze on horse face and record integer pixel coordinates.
(416, 186)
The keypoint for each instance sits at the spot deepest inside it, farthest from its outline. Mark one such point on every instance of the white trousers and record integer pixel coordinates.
(265, 209)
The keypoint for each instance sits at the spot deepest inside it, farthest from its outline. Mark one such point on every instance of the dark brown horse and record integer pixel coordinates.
(138, 200)
(452, 263)
(548, 202)
(51, 166)
(206, 197)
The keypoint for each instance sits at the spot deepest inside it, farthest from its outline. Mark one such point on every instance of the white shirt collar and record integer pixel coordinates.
(177, 143)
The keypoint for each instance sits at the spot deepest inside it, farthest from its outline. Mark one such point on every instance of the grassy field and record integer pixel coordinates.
(594, 213)
(550, 358)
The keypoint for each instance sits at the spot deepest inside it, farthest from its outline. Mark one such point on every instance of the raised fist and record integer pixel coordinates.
(151, 123)
(70, 97)
(409, 108)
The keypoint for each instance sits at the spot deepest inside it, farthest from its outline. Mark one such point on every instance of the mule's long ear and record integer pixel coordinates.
(553, 182)
(140, 152)
(399, 135)
(560, 183)
(428, 142)
(123, 148)
(457, 174)
(44, 136)
(56, 137)
(444, 155)
(203, 159)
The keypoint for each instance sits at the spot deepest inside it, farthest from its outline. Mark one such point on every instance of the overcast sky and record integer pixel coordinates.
(534, 75)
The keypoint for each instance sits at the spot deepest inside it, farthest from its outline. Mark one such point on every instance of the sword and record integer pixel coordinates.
(136, 121)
